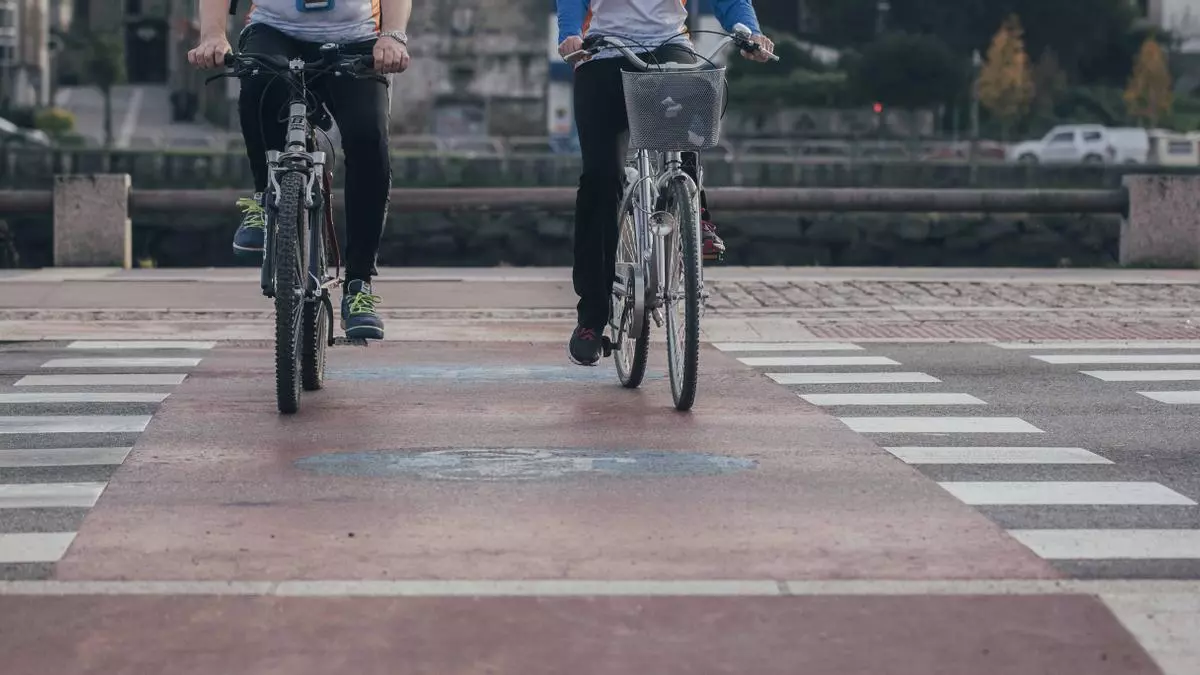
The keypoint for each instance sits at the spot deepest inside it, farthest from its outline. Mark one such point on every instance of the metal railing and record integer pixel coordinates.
(845, 200)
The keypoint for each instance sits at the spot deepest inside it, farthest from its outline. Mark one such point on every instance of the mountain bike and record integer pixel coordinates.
(300, 241)
(672, 108)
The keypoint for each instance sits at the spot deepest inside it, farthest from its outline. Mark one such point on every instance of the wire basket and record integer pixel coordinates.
(674, 110)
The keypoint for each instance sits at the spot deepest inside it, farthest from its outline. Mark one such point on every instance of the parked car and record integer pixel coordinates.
(11, 134)
(1086, 144)
(1169, 148)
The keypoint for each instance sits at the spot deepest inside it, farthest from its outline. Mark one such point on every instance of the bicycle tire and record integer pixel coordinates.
(289, 292)
(683, 360)
(632, 352)
(318, 322)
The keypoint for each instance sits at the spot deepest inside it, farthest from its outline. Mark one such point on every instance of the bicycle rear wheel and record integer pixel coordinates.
(630, 322)
(289, 290)
(683, 294)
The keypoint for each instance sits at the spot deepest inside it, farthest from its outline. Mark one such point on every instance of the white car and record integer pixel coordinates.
(1085, 144)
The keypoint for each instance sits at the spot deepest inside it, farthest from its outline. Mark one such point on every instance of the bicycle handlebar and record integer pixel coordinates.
(330, 62)
(741, 37)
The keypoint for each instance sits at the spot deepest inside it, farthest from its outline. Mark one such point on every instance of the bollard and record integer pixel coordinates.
(91, 221)
(1162, 228)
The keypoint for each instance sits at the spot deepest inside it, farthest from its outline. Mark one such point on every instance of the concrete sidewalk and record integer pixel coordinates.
(537, 303)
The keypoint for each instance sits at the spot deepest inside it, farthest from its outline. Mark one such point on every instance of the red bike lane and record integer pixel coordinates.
(443, 463)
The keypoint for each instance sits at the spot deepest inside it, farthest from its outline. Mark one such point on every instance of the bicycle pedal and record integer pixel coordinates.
(606, 344)
(352, 342)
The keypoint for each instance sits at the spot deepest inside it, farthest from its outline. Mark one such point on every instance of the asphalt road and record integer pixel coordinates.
(1146, 441)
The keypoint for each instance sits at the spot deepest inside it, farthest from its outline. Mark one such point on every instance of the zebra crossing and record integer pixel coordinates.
(931, 422)
(69, 416)
(1149, 353)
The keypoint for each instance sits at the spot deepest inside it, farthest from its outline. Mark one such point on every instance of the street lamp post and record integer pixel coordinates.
(881, 11)
(976, 65)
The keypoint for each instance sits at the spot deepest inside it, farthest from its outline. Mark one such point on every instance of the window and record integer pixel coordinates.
(8, 17)
(1064, 137)
(1092, 136)
(7, 54)
(1180, 148)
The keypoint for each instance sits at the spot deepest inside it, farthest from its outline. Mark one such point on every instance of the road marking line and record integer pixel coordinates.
(83, 397)
(1143, 375)
(1173, 397)
(785, 361)
(23, 458)
(50, 495)
(142, 344)
(1078, 359)
(1079, 493)
(1111, 544)
(123, 380)
(938, 425)
(129, 123)
(851, 378)
(903, 398)
(995, 455)
(586, 587)
(74, 424)
(118, 362)
(34, 547)
(786, 346)
(1099, 344)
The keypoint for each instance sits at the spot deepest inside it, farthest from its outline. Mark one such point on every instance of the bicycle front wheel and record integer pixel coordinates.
(682, 302)
(289, 290)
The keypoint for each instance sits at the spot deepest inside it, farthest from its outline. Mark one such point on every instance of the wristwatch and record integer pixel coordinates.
(397, 35)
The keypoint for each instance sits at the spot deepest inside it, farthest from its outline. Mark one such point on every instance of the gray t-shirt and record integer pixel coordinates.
(322, 21)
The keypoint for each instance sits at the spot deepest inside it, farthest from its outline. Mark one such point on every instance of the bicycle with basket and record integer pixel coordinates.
(672, 108)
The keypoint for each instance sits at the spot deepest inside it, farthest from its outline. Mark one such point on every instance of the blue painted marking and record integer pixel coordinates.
(481, 374)
(520, 464)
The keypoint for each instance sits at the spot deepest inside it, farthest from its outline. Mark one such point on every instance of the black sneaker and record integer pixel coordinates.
(359, 318)
(586, 346)
(249, 238)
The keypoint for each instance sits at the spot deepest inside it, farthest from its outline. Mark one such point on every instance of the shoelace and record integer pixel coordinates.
(253, 212)
(363, 303)
(586, 334)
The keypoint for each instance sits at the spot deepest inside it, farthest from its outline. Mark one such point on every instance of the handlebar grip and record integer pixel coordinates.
(367, 61)
(229, 59)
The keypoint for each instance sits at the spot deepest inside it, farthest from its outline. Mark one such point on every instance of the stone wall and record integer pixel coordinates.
(544, 239)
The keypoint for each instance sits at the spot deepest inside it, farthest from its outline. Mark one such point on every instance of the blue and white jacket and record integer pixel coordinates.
(644, 22)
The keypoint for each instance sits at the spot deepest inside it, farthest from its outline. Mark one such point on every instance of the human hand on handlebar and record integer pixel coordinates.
(211, 51)
(391, 56)
(570, 46)
(765, 49)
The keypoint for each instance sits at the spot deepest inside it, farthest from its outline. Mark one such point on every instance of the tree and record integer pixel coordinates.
(907, 71)
(1049, 82)
(1006, 81)
(104, 68)
(1148, 96)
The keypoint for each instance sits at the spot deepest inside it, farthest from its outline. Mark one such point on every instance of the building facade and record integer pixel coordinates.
(25, 73)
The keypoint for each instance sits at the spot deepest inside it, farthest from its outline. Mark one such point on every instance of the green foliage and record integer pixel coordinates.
(907, 71)
(56, 122)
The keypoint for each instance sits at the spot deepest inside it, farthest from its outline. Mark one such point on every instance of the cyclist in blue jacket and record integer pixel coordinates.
(603, 135)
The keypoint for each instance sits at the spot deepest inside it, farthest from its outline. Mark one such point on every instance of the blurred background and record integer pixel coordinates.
(877, 93)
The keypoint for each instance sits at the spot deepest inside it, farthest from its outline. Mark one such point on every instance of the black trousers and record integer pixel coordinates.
(603, 127)
(361, 109)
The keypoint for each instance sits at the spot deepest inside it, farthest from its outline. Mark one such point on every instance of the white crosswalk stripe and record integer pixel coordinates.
(852, 378)
(122, 362)
(44, 461)
(1096, 493)
(995, 455)
(916, 399)
(799, 361)
(1132, 544)
(940, 425)
(786, 346)
(1112, 359)
(1099, 344)
(1144, 375)
(1173, 397)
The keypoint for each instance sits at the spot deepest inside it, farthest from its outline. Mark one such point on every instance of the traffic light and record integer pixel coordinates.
(878, 107)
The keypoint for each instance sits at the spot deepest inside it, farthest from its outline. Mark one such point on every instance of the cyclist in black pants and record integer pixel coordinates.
(603, 128)
(297, 29)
